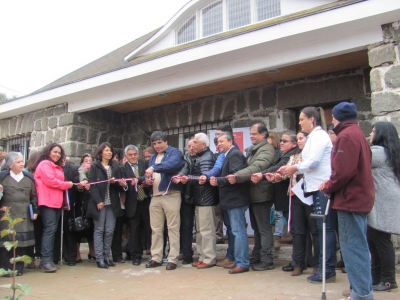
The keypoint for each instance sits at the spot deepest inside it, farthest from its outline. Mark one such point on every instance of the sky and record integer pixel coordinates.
(43, 40)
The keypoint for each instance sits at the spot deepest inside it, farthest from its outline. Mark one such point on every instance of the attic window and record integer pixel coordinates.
(212, 19)
(187, 32)
(239, 13)
(267, 9)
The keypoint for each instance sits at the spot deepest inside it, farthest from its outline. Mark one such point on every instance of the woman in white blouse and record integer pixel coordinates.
(316, 167)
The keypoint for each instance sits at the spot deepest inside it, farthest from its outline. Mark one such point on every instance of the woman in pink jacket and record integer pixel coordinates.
(50, 186)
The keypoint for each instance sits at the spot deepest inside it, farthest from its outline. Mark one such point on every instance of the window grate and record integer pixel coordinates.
(212, 19)
(267, 9)
(239, 13)
(187, 31)
(17, 144)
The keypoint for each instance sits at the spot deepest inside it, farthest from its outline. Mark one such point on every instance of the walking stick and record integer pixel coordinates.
(323, 218)
(62, 232)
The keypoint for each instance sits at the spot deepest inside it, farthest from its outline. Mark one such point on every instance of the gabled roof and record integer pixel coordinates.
(108, 63)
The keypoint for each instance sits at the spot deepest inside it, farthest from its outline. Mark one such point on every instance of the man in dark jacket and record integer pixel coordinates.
(352, 188)
(234, 199)
(136, 202)
(166, 199)
(260, 156)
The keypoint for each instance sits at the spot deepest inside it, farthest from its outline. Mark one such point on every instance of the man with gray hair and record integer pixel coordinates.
(136, 203)
(205, 198)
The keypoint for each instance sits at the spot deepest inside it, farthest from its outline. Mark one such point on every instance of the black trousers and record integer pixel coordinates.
(141, 217)
(382, 256)
(5, 259)
(116, 246)
(186, 230)
(301, 226)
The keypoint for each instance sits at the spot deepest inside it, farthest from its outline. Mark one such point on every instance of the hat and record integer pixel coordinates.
(345, 111)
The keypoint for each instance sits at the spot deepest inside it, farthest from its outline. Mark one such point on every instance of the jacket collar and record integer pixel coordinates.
(206, 149)
(343, 125)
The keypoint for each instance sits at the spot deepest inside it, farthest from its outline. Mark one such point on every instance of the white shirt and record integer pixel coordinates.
(18, 177)
(316, 163)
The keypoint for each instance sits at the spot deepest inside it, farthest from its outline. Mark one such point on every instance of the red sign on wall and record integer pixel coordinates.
(238, 137)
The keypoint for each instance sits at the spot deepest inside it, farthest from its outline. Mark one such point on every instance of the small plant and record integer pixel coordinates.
(12, 245)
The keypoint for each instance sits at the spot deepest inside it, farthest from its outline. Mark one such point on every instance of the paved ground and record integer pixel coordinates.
(86, 281)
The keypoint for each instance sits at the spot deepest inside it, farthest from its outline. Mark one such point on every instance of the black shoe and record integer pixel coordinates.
(339, 265)
(71, 263)
(288, 268)
(102, 265)
(48, 268)
(263, 266)
(222, 241)
(187, 260)
(254, 261)
(136, 261)
(91, 257)
(128, 256)
(109, 263)
(384, 287)
(120, 261)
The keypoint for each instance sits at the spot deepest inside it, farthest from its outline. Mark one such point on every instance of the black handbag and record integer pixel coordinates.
(78, 223)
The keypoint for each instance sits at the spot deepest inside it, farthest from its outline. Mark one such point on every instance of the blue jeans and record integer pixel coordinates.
(279, 223)
(50, 218)
(320, 202)
(238, 224)
(230, 251)
(354, 246)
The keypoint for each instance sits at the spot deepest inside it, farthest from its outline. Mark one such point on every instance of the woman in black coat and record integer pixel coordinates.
(104, 205)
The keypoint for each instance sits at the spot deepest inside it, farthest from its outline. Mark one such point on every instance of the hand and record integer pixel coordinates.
(281, 170)
(176, 179)
(202, 179)
(34, 216)
(213, 181)
(149, 181)
(184, 179)
(81, 185)
(122, 182)
(1, 187)
(269, 176)
(231, 179)
(135, 181)
(322, 185)
(100, 205)
(149, 172)
(87, 186)
(71, 184)
(3, 208)
(290, 171)
(256, 178)
(112, 180)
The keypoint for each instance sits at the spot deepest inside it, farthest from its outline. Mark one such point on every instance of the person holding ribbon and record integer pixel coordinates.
(50, 186)
(104, 205)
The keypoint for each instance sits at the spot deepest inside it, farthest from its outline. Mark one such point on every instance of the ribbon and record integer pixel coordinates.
(107, 180)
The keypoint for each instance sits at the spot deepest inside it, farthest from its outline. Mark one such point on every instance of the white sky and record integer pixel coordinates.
(43, 40)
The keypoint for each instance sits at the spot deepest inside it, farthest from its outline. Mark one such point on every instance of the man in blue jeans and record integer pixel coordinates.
(352, 187)
(235, 200)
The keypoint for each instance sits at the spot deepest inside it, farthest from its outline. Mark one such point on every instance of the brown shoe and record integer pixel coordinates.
(297, 271)
(238, 270)
(170, 266)
(225, 262)
(277, 242)
(153, 264)
(196, 263)
(205, 266)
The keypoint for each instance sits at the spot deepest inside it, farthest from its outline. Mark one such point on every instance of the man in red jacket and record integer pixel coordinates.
(352, 188)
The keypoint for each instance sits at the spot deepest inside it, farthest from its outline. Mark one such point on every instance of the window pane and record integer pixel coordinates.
(239, 13)
(267, 9)
(212, 19)
(187, 32)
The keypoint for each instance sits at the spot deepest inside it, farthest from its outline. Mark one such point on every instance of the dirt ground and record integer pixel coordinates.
(125, 281)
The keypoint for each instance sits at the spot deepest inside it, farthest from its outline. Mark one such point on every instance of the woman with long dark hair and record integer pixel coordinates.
(104, 205)
(50, 186)
(383, 220)
(316, 167)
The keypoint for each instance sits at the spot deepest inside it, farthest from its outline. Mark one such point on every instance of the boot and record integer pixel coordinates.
(277, 242)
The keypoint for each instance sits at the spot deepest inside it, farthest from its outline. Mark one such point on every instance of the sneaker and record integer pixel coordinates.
(384, 287)
(263, 266)
(317, 277)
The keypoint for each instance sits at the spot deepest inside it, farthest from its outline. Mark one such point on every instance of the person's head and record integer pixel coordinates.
(191, 147)
(273, 139)
(385, 134)
(148, 152)
(131, 154)
(224, 128)
(53, 152)
(301, 139)
(15, 162)
(344, 111)
(311, 117)
(159, 141)
(32, 162)
(258, 133)
(288, 141)
(201, 141)
(216, 144)
(332, 134)
(2, 156)
(86, 159)
(116, 156)
(225, 142)
(104, 152)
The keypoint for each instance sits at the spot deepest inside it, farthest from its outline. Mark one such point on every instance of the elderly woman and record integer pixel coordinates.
(19, 192)
(50, 187)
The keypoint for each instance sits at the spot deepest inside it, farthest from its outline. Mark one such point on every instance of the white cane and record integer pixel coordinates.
(323, 218)
(62, 232)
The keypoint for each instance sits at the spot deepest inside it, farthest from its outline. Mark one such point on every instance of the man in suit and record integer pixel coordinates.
(234, 199)
(136, 203)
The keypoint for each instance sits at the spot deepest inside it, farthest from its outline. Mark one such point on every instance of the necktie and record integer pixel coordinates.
(141, 193)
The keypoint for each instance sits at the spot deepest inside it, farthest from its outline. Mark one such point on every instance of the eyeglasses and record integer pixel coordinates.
(284, 141)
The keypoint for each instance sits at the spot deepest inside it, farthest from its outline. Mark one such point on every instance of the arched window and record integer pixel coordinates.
(212, 20)
(187, 32)
(267, 9)
(239, 13)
